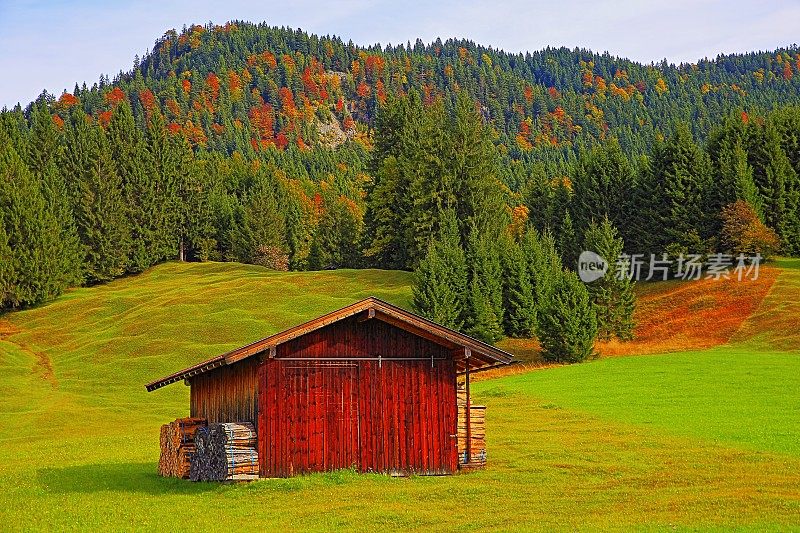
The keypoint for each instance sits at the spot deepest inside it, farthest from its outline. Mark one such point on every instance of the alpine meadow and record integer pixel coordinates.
(273, 280)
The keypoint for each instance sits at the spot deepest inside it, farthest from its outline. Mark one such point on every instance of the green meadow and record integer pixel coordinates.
(704, 439)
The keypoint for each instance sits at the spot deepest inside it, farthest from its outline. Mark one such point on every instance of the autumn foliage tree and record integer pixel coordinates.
(744, 233)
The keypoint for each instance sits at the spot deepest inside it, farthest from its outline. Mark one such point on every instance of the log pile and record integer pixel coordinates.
(178, 447)
(225, 452)
(477, 454)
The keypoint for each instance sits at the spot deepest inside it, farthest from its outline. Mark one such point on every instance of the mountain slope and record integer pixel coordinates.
(244, 87)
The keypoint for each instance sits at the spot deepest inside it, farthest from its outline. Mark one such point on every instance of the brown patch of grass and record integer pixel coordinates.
(680, 315)
(686, 315)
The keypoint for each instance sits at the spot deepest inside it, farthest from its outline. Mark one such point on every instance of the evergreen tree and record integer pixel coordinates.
(98, 201)
(484, 317)
(335, 242)
(260, 233)
(167, 159)
(567, 325)
(519, 301)
(672, 196)
(133, 165)
(30, 233)
(777, 182)
(43, 161)
(602, 183)
(440, 282)
(544, 265)
(612, 296)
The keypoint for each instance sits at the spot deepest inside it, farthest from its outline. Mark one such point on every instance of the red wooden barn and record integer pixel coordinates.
(370, 385)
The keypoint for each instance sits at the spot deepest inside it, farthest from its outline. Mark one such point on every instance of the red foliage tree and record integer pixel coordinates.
(287, 101)
(212, 81)
(363, 90)
(281, 141)
(67, 100)
(148, 100)
(115, 96)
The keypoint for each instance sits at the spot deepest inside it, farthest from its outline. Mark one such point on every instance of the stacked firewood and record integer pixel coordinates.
(178, 447)
(477, 450)
(225, 452)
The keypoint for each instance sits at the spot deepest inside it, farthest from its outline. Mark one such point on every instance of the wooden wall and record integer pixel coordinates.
(227, 394)
(392, 416)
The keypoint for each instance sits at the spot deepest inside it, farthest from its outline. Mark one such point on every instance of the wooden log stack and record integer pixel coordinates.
(178, 446)
(477, 453)
(225, 452)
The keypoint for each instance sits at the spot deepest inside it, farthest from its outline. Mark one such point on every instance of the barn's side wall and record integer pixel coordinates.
(227, 394)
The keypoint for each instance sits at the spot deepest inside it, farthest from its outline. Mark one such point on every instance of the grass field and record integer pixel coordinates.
(698, 439)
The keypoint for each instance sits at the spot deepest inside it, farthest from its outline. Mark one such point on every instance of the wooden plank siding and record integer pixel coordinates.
(227, 394)
(326, 402)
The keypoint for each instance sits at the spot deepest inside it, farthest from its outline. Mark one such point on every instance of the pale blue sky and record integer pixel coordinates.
(52, 45)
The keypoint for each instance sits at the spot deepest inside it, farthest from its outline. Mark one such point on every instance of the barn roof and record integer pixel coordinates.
(468, 351)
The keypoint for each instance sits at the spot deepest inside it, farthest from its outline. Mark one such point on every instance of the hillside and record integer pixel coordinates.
(618, 443)
(243, 87)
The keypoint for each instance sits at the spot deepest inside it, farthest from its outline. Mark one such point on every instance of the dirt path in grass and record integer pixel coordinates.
(43, 365)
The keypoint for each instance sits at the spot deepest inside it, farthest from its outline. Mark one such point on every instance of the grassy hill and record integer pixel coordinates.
(702, 438)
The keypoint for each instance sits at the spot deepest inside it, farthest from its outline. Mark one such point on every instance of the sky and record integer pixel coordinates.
(52, 45)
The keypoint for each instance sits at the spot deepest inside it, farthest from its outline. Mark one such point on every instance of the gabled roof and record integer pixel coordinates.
(467, 350)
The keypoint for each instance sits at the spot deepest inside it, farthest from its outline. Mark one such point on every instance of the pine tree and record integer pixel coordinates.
(602, 183)
(132, 162)
(30, 232)
(167, 159)
(612, 296)
(485, 298)
(519, 301)
(567, 326)
(43, 161)
(544, 265)
(98, 201)
(440, 282)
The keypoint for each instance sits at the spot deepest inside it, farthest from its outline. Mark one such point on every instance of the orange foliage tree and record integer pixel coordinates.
(744, 233)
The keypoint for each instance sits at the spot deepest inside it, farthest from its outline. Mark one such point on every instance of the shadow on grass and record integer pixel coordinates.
(115, 477)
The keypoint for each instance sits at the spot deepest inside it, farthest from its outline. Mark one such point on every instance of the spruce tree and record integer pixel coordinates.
(440, 282)
(167, 159)
(260, 234)
(602, 183)
(544, 265)
(336, 239)
(30, 232)
(485, 298)
(519, 301)
(672, 196)
(612, 296)
(43, 156)
(776, 181)
(98, 200)
(132, 162)
(567, 325)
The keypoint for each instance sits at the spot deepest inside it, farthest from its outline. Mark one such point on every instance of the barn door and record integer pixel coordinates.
(310, 417)
(407, 416)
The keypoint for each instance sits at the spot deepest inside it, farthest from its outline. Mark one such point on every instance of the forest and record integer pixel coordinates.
(484, 172)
